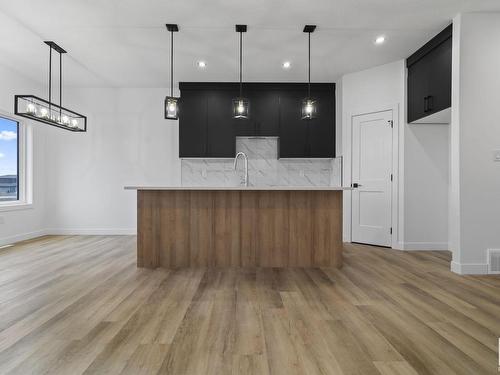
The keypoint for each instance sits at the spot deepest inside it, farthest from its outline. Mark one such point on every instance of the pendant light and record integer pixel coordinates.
(45, 111)
(241, 106)
(172, 102)
(309, 105)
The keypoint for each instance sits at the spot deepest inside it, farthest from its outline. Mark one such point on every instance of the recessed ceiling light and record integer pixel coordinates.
(287, 65)
(380, 40)
(201, 64)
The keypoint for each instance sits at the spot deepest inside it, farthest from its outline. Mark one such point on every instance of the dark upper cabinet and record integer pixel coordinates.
(429, 77)
(207, 129)
(193, 124)
(307, 138)
(321, 131)
(293, 142)
(220, 125)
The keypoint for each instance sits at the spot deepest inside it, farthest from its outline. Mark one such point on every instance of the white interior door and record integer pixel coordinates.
(372, 171)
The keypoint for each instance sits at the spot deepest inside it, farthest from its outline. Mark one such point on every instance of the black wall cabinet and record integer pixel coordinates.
(206, 128)
(429, 77)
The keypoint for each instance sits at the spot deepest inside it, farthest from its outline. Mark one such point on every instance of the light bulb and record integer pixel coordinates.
(74, 122)
(240, 108)
(202, 64)
(171, 107)
(31, 109)
(287, 65)
(309, 108)
(65, 120)
(380, 40)
(44, 112)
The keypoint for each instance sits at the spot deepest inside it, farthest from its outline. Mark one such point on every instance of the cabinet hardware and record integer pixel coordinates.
(430, 103)
(426, 104)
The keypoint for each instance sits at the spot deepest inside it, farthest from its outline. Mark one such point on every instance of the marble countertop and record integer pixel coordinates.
(250, 188)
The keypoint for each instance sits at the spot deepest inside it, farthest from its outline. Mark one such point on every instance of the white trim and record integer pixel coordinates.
(15, 206)
(424, 246)
(92, 231)
(469, 268)
(489, 252)
(22, 237)
(25, 163)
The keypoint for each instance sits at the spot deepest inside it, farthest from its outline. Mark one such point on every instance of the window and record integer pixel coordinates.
(9, 160)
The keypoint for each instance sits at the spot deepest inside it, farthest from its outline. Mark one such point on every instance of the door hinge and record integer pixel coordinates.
(391, 123)
(391, 230)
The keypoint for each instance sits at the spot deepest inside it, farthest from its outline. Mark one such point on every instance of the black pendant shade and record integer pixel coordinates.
(241, 105)
(45, 111)
(172, 102)
(309, 106)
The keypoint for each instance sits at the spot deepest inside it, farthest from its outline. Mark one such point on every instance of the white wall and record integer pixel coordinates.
(376, 89)
(475, 201)
(19, 224)
(420, 220)
(128, 142)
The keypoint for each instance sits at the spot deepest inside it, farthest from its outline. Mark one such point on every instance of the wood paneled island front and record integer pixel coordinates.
(239, 227)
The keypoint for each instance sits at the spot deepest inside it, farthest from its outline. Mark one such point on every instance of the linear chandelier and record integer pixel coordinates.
(45, 111)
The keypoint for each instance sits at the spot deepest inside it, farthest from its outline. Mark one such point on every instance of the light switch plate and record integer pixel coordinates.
(496, 155)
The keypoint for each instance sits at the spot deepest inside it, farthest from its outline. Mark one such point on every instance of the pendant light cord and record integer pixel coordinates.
(309, 73)
(241, 64)
(60, 84)
(171, 63)
(50, 76)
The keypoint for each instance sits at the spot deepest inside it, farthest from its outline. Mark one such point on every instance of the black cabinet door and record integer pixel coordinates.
(264, 114)
(439, 89)
(293, 141)
(220, 125)
(418, 89)
(429, 77)
(193, 124)
(321, 130)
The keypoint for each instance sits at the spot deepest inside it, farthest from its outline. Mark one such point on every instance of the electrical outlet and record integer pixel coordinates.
(496, 155)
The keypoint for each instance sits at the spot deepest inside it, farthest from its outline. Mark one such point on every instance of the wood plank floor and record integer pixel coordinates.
(78, 305)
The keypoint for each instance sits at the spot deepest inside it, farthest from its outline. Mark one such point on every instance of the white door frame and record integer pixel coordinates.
(397, 171)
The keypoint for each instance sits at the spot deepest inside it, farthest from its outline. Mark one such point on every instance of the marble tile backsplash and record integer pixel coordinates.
(264, 168)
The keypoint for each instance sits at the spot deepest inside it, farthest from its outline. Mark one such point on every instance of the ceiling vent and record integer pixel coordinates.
(494, 261)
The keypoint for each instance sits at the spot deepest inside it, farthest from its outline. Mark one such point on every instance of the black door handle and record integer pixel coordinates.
(430, 103)
(426, 104)
(356, 185)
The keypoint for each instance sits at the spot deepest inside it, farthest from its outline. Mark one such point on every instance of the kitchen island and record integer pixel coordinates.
(239, 226)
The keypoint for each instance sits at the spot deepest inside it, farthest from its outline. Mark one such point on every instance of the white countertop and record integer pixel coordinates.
(250, 188)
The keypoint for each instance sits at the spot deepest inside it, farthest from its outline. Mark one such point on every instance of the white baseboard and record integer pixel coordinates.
(22, 237)
(469, 268)
(424, 246)
(92, 231)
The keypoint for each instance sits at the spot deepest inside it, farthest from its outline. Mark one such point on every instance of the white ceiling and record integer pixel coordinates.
(124, 43)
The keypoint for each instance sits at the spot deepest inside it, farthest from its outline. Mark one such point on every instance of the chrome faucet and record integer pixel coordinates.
(245, 157)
